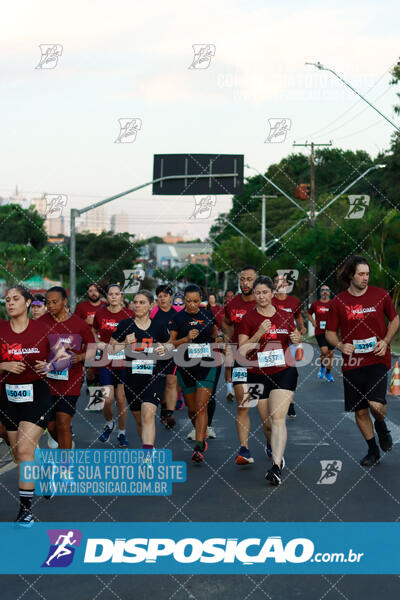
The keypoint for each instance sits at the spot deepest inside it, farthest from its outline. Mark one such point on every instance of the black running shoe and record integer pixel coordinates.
(170, 420)
(163, 416)
(274, 475)
(25, 517)
(385, 439)
(291, 411)
(370, 459)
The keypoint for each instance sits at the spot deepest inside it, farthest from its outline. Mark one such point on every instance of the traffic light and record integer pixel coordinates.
(302, 191)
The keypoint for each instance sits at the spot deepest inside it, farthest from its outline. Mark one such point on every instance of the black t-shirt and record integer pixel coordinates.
(163, 318)
(203, 320)
(145, 347)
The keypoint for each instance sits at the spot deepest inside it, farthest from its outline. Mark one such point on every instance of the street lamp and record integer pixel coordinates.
(322, 68)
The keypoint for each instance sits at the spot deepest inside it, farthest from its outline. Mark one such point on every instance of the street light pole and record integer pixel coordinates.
(322, 68)
(75, 213)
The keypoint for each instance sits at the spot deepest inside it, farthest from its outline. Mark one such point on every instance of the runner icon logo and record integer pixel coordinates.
(63, 543)
(203, 54)
(330, 471)
(50, 53)
(278, 130)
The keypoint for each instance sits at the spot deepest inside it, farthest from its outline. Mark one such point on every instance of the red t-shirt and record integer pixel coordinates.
(28, 346)
(86, 309)
(361, 320)
(273, 346)
(290, 304)
(235, 311)
(218, 312)
(320, 310)
(105, 322)
(66, 338)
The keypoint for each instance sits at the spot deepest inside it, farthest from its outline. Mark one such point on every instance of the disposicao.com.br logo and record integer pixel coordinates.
(248, 551)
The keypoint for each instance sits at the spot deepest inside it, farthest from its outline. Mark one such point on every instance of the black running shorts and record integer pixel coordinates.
(364, 385)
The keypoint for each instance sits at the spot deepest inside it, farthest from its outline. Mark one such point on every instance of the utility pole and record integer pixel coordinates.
(312, 273)
(263, 199)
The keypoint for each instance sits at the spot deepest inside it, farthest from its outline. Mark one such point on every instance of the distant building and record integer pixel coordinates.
(172, 239)
(120, 223)
(95, 221)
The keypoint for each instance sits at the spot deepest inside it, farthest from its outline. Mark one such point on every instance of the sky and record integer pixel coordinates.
(130, 60)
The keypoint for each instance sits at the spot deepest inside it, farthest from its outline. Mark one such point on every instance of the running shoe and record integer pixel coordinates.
(292, 411)
(106, 432)
(192, 435)
(385, 439)
(244, 457)
(25, 517)
(321, 373)
(370, 459)
(268, 450)
(211, 433)
(122, 441)
(274, 475)
(197, 457)
(170, 420)
(163, 416)
(283, 463)
(229, 397)
(148, 459)
(329, 377)
(198, 451)
(51, 442)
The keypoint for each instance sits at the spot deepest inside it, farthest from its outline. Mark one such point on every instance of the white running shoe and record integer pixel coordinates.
(211, 433)
(51, 442)
(192, 435)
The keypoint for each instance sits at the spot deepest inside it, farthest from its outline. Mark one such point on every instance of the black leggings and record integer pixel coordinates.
(212, 403)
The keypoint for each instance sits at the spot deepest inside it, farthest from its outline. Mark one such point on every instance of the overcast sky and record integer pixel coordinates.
(130, 59)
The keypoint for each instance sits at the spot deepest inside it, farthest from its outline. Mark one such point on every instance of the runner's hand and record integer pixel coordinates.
(347, 349)
(264, 327)
(303, 330)
(193, 333)
(130, 339)
(101, 345)
(380, 348)
(295, 337)
(90, 319)
(160, 350)
(41, 366)
(14, 367)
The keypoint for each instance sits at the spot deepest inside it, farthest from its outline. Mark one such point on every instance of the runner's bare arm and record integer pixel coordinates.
(381, 346)
(227, 328)
(333, 339)
(311, 319)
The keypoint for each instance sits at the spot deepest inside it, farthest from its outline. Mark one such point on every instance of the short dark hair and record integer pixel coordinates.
(347, 271)
(249, 268)
(228, 290)
(264, 280)
(192, 287)
(96, 285)
(164, 287)
(59, 289)
(39, 298)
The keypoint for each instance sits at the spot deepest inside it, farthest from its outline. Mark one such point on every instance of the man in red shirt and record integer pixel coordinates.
(359, 312)
(289, 304)
(234, 313)
(87, 309)
(320, 310)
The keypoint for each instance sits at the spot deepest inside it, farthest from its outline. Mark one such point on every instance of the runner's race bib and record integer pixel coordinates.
(199, 350)
(19, 392)
(271, 358)
(142, 367)
(364, 346)
(239, 374)
(117, 356)
(322, 324)
(60, 375)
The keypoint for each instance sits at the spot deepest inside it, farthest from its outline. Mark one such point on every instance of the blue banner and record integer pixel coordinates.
(213, 548)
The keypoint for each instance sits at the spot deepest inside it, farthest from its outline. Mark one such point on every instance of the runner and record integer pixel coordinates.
(359, 312)
(68, 337)
(195, 328)
(234, 313)
(112, 376)
(25, 401)
(264, 337)
(229, 295)
(163, 314)
(320, 308)
(139, 336)
(87, 309)
(178, 301)
(291, 305)
(38, 306)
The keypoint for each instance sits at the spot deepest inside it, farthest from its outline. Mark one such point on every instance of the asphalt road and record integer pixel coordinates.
(219, 490)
